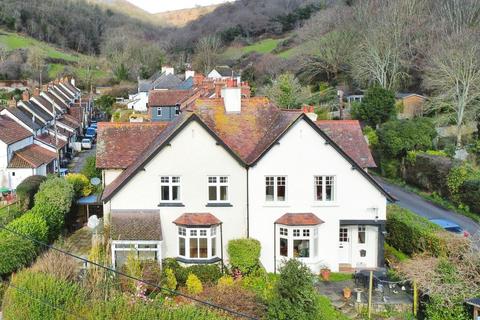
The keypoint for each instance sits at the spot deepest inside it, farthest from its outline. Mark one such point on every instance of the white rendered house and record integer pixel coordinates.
(231, 169)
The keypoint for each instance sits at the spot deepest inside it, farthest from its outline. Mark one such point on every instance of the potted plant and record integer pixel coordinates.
(325, 273)
(347, 293)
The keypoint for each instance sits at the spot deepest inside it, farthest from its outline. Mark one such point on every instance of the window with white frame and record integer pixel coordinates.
(142, 251)
(297, 242)
(159, 112)
(324, 188)
(218, 189)
(197, 243)
(177, 110)
(169, 188)
(275, 188)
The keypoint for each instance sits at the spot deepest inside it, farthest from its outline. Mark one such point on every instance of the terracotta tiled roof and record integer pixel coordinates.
(69, 121)
(76, 112)
(11, 132)
(120, 144)
(32, 156)
(136, 225)
(299, 219)
(348, 135)
(158, 98)
(250, 132)
(197, 219)
(50, 140)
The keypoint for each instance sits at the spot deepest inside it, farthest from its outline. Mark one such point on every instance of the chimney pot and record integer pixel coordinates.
(12, 103)
(36, 92)
(305, 110)
(26, 95)
(232, 99)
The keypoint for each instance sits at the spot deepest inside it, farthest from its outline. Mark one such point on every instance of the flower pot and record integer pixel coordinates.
(347, 293)
(325, 273)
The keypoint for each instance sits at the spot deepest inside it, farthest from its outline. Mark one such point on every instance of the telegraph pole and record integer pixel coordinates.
(56, 140)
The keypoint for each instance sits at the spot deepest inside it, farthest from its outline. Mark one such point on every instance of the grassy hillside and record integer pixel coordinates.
(63, 59)
(264, 46)
(180, 18)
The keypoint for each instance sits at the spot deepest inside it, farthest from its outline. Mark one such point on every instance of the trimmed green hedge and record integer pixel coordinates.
(411, 233)
(470, 194)
(244, 254)
(207, 273)
(27, 189)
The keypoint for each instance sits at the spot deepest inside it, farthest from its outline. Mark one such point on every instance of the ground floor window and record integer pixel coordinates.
(298, 242)
(197, 243)
(142, 250)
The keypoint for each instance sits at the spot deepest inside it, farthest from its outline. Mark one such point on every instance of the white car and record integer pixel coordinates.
(86, 144)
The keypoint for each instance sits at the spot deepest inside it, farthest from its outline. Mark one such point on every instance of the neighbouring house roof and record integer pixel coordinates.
(76, 112)
(157, 98)
(247, 135)
(408, 94)
(226, 71)
(45, 103)
(197, 220)
(187, 84)
(299, 219)
(348, 135)
(474, 302)
(65, 92)
(36, 110)
(69, 121)
(136, 225)
(166, 81)
(71, 87)
(11, 132)
(59, 102)
(49, 139)
(32, 156)
(120, 144)
(25, 118)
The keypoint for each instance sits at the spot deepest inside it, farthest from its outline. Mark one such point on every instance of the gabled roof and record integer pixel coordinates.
(25, 118)
(299, 219)
(11, 132)
(348, 135)
(44, 102)
(32, 156)
(408, 94)
(197, 220)
(71, 87)
(166, 81)
(226, 71)
(49, 139)
(57, 101)
(158, 98)
(65, 92)
(187, 84)
(69, 122)
(247, 135)
(120, 144)
(36, 110)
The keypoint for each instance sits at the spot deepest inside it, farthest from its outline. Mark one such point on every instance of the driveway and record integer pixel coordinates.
(417, 204)
(78, 162)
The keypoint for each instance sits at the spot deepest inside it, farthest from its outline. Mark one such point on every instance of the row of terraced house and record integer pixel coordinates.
(39, 132)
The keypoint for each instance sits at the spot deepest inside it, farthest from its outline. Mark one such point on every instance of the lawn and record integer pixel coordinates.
(9, 213)
(263, 47)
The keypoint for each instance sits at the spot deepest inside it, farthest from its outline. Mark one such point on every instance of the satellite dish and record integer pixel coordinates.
(95, 181)
(93, 222)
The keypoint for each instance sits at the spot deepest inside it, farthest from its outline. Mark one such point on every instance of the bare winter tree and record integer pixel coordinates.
(453, 74)
(207, 50)
(36, 62)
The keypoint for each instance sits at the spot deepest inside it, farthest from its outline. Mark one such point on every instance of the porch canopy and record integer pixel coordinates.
(136, 225)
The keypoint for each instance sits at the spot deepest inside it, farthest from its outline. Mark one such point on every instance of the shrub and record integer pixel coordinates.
(169, 279)
(371, 135)
(393, 256)
(376, 107)
(470, 194)
(81, 184)
(295, 296)
(261, 282)
(225, 281)
(428, 172)
(53, 202)
(43, 287)
(411, 233)
(152, 273)
(390, 168)
(194, 285)
(326, 311)
(457, 177)
(436, 309)
(31, 225)
(10, 213)
(180, 272)
(27, 189)
(90, 168)
(15, 252)
(244, 254)
(57, 264)
(207, 273)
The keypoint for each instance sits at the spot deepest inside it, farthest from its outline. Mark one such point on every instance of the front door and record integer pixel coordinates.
(344, 249)
(365, 252)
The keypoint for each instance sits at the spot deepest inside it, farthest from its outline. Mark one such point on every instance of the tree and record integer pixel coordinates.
(86, 71)
(453, 74)
(295, 297)
(377, 106)
(206, 51)
(90, 170)
(286, 91)
(36, 61)
(105, 103)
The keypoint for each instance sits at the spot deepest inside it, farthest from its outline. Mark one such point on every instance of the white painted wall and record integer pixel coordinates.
(16, 176)
(300, 156)
(193, 155)
(109, 175)
(138, 102)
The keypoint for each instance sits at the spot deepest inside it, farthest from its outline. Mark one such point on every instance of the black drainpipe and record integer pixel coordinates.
(248, 208)
(274, 248)
(221, 246)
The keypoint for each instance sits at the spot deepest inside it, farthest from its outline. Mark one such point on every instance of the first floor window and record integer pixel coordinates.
(217, 189)
(295, 242)
(197, 243)
(275, 188)
(324, 188)
(170, 188)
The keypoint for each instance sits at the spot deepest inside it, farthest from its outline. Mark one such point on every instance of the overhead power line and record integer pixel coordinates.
(170, 291)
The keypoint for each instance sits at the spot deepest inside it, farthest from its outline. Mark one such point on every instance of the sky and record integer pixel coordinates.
(154, 6)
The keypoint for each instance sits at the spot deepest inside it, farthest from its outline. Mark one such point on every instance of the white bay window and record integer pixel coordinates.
(197, 243)
(297, 242)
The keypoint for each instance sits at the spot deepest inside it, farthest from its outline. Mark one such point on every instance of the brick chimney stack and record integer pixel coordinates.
(26, 95)
(36, 92)
(246, 91)
(218, 89)
(12, 103)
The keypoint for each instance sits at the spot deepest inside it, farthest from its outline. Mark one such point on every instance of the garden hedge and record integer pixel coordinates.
(205, 272)
(470, 194)
(244, 254)
(411, 233)
(429, 172)
(27, 189)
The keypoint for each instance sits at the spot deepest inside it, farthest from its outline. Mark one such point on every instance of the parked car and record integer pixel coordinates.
(450, 226)
(86, 143)
(91, 133)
